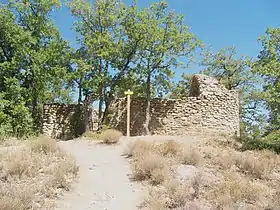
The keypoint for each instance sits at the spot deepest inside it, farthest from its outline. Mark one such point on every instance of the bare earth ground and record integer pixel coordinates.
(103, 181)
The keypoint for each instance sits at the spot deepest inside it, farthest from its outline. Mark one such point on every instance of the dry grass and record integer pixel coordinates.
(16, 197)
(171, 195)
(44, 144)
(234, 190)
(150, 167)
(190, 156)
(231, 179)
(251, 165)
(110, 136)
(170, 148)
(259, 164)
(139, 148)
(226, 160)
(159, 175)
(180, 153)
(34, 173)
(91, 135)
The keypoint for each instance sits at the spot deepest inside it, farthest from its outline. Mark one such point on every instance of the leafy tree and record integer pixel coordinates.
(181, 89)
(46, 61)
(18, 115)
(230, 71)
(166, 40)
(268, 66)
(15, 117)
(108, 36)
(33, 63)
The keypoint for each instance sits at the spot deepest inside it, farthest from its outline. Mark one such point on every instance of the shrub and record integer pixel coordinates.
(170, 148)
(190, 156)
(29, 176)
(60, 172)
(270, 142)
(257, 167)
(110, 136)
(172, 195)
(15, 117)
(234, 189)
(44, 144)
(149, 166)
(159, 175)
(16, 197)
(6, 130)
(139, 148)
(21, 162)
(91, 135)
(226, 159)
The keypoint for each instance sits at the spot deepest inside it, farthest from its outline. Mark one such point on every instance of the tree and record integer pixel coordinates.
(166, 40)
(15, 117)
(182, 87)
(268, 67)
(33, 62)
(46, 60)
(108, 36)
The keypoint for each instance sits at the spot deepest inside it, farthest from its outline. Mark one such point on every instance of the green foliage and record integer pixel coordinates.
(15, 116)
(232, 72)
(268, 66)
(33, 63)
(166, 39)
(109, 46)
(182, 88)
(122, 47)
(271, 142)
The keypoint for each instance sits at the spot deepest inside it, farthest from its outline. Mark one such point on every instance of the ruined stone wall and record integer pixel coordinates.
(66, 121)
(210, 108)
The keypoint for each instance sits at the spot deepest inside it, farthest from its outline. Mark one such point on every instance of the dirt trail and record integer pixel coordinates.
(103, 181)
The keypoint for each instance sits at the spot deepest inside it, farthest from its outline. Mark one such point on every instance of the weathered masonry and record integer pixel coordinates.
(67, 121)
(209, 108)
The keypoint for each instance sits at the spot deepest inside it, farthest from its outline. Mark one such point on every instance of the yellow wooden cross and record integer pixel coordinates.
(128, 93)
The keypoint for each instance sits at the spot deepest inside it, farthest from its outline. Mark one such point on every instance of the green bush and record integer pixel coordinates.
(15, 116)
(270, 142)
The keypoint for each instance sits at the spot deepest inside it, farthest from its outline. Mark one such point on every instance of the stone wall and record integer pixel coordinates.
(210, 108)
(66, 121)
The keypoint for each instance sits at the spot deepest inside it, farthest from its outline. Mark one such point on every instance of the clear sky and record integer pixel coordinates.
(218, 23)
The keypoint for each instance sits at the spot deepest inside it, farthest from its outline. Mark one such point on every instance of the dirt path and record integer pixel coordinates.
(103, 181)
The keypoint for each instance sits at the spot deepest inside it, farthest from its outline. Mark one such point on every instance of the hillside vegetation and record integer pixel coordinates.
(209, 173)
(33, 174)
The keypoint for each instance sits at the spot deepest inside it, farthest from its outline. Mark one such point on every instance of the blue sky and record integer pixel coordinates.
(218, 23)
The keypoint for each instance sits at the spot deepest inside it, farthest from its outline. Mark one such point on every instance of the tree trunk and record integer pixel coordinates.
(100, 105)
(87, 103)
(108, 101)
(148, 104)
(80, 94)
(35, 114)
(101, 97)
